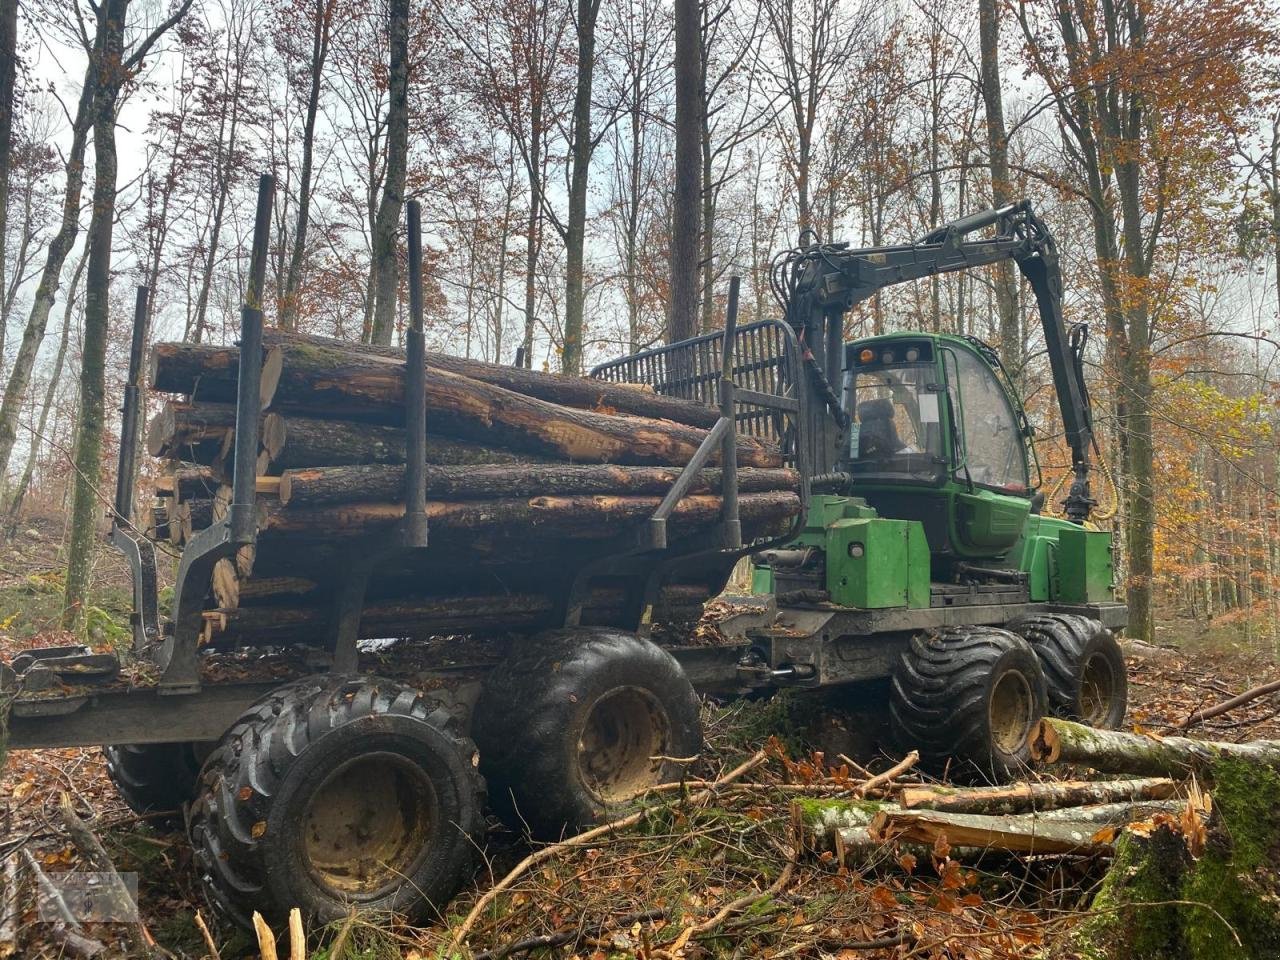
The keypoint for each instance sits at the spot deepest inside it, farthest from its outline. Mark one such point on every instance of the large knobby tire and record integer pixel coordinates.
(1083, 666)
(968, 698)
(577, 722)
(155, 777)
(334, 793)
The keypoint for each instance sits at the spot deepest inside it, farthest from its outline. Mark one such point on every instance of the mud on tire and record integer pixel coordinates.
(568, 725)
(153, 777)
(331, 793)
(1083, 666)
(967, 698)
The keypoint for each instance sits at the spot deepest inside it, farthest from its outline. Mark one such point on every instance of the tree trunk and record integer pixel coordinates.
(8, 73)
(320, 379)
(682, 308)
(589, 517)
(1024, 797)
(1019, 834)
(323, 13)
(210, 374)
(303, 442)
(420, 617)
(386, 263)
(51, 277)
(180, 426)
(107, 60)
(533, 235)
(576, 226)
(1004, 281)
(50, 394)
(1061, 741)
(326, 485)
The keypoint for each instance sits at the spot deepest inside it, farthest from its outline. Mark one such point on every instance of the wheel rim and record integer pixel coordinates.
(1011, 711)
(1097, 686)
(624, 731)
(366, 827)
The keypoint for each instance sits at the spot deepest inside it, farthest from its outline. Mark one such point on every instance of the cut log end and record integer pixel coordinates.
(1045, 744)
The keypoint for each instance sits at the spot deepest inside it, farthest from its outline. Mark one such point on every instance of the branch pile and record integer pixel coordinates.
(528, 472)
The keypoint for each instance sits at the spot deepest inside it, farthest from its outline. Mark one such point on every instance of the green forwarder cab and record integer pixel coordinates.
(925, 557)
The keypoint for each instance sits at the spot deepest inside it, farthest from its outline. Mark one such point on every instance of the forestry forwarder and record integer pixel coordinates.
(319, 774)
(925, 559)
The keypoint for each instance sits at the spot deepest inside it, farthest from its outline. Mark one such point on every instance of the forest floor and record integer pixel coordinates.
(652, 890)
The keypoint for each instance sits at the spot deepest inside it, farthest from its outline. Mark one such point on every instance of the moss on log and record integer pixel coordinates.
(1157, 902)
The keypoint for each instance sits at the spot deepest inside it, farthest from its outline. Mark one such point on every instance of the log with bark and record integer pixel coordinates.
(373, 482)
(337, 382)
(206, 372)
(846, 827)
(1046, 795)
(183, 425)
(293, 442)
(196, 368)
(584, 516)
(421, 617)
(1061, 741)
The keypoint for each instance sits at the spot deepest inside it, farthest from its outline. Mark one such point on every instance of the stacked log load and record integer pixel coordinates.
(526, 472)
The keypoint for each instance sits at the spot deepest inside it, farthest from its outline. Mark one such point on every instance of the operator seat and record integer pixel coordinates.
(877, 435)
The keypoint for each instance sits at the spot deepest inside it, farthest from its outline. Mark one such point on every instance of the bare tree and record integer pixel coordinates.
(813, 41)
(322, 14)
(114, 65)
(686, 224)
(8, 76)
(386, 264)
(1006, 287)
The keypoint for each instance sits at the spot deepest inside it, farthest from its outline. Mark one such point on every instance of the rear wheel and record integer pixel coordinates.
(968, 698)
(577, 722)
(1083, 666)
(332, 794)
(155, 777)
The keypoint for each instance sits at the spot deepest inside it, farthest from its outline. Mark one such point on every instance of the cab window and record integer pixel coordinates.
(989, 442)
(896, 430)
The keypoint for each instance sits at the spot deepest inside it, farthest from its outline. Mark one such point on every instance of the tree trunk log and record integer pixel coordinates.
(182, 424)
(329, 485)
(1061, 741)
(1018, 834)
(296, 442)
(1023, 797)
(207, 373)
(177, 368)
(337, 381)
(583, 516)
(417, 617)
(324, 380)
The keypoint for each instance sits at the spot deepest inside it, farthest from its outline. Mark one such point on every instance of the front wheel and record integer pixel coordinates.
(968, 699)
(577, 722)
(333, 794)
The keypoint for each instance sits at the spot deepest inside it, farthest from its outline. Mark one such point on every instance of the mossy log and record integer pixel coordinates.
(326, 485)
(1061, 741)
(177, 367)
(580, 516)
(1014, 833)
(1158, 902)
(1047, 795)
(294, 442)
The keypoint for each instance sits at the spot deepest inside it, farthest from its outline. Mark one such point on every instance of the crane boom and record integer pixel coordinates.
(817, 285)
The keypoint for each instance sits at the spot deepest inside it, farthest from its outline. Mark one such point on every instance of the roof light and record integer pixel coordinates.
(866, 355)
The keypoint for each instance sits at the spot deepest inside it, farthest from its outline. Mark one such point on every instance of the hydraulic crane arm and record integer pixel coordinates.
(818, 285)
